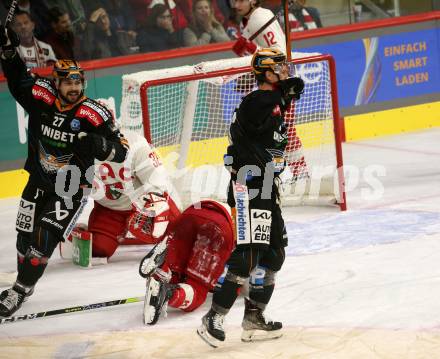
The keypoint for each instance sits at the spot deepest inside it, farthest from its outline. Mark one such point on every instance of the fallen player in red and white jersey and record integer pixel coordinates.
(125, 191)
(188, 262)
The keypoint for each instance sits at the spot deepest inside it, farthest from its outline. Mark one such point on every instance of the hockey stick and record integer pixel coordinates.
(269, 22)
(286, 6)
(80, 308)
(11, 12)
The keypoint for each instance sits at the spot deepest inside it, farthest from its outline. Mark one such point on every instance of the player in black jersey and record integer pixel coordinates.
(66, 132)
(255, 159)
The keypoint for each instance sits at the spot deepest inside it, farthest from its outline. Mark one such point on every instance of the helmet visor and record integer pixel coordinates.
(72, 75)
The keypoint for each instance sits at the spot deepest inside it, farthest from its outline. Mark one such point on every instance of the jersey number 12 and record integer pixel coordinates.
(269, 37)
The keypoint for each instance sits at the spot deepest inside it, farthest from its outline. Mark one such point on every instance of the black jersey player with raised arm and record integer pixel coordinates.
(66, 132)
(255, 159)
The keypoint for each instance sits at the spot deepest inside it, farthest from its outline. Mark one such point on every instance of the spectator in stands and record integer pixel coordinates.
(159, 33)
(204, 27)
(122, 13)
(219, 7)
(33, 52)
(62, 39)
(76, 12)
(144, 11)
(121, 17)
(100, 41)
(303, 17)
(36, 8)
(92, 5)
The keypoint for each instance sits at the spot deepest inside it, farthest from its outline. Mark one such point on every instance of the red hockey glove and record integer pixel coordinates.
(150, 217)
(243, 47)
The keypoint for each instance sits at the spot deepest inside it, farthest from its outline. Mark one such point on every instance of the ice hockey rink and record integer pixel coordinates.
(358, 284)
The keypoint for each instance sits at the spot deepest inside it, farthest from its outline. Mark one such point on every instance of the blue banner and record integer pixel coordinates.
(387, 67)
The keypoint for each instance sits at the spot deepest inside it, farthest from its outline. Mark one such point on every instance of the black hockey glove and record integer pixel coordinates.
(91, 145)
(292, 88)
(8, 42)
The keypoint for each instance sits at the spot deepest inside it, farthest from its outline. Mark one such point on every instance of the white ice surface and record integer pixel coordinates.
(359, 284)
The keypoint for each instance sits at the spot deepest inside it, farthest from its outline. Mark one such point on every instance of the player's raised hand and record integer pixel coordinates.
(244, 47)
(292, 87)
(8, 42)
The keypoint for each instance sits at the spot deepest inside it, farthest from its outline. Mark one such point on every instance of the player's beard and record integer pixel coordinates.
(71, 97)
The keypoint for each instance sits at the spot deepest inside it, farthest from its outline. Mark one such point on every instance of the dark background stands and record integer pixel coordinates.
(100, 41)
(159, 33)
(62, 39)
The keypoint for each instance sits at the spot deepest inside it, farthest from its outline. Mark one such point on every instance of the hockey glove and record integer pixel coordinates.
(243, 47)
(91, 145)
(8, 42)
(150, 217)
(292, 88)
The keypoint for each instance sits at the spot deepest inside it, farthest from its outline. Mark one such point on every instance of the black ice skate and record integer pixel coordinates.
(153, 259)
(211, 330)
(256, 326)
(12, 299)
(156, 299)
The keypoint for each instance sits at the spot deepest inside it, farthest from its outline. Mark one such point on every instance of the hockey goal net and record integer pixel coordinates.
(185, 112)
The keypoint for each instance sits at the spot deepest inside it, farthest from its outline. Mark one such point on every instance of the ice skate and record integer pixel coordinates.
(211, 330)
(256, 326)
(11, 300)
(153, 259)
(156, 299)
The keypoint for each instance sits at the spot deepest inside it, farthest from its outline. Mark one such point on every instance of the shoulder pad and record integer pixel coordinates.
(94, 112)
(44, 90)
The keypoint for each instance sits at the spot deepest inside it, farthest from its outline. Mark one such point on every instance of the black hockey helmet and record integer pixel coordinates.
(267, 59)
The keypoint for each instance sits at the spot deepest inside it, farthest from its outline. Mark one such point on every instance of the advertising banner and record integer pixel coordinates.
(386, 68)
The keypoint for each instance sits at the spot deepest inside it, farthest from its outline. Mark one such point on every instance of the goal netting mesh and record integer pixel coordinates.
(185, 112)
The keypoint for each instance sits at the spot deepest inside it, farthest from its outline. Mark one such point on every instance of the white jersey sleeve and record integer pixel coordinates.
(118, 185)
(272, 36)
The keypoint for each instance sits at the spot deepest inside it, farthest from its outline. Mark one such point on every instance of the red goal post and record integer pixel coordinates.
(185, 113)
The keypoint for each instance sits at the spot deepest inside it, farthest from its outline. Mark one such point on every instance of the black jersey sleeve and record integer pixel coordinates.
(116, 140)
(20, 81)
(112, 146)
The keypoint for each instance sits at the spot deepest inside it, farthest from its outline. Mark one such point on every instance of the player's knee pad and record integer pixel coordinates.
(23, 243)
(228, 276)
(44, 241)
(231, 277)
(261, 277)
(33, 262)
(227, 290)
(261, 286)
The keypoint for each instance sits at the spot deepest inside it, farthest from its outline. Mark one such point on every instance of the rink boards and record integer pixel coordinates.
(357, 127)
